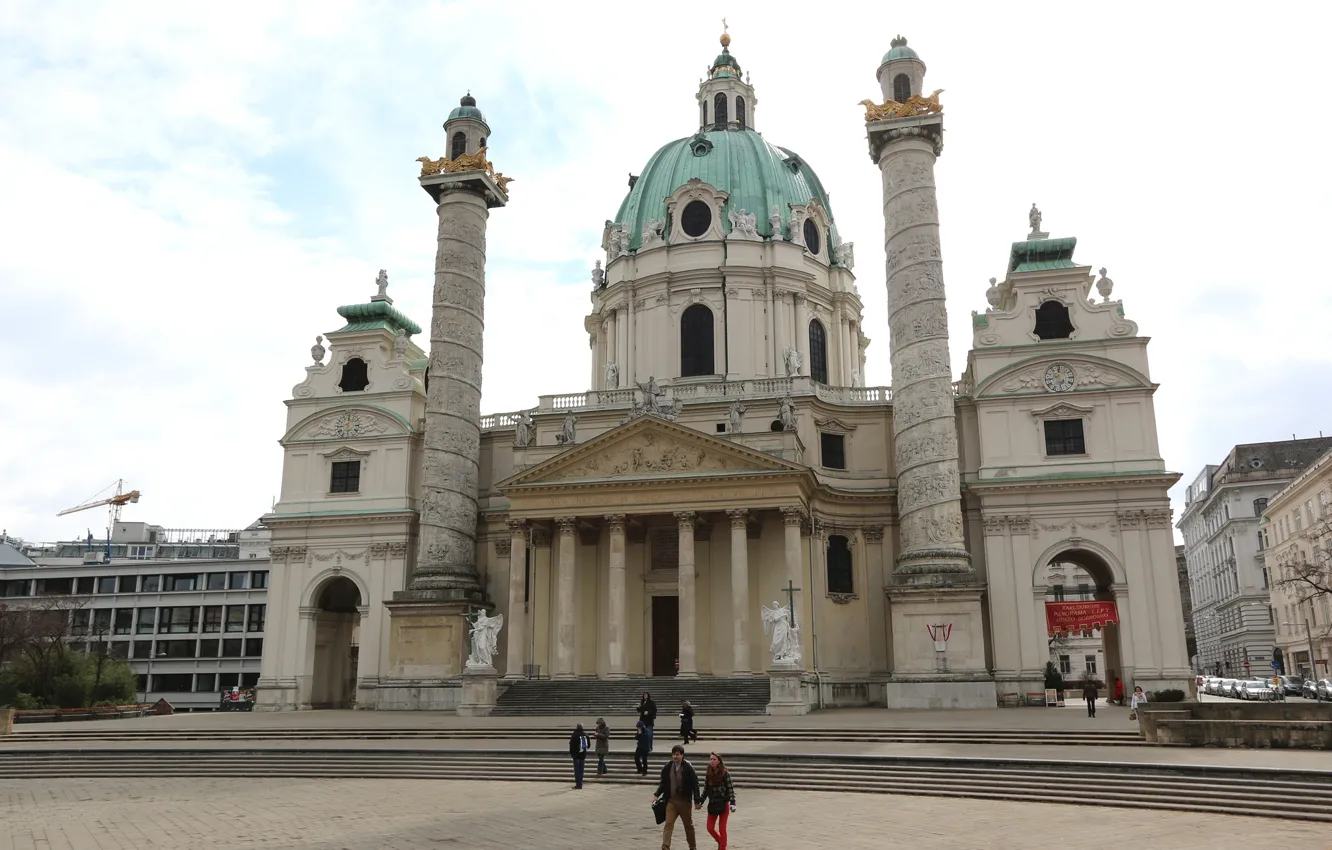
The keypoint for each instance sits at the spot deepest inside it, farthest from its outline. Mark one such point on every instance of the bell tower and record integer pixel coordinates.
(726, 100)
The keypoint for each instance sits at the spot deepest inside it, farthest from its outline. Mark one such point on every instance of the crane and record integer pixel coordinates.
(114, 503)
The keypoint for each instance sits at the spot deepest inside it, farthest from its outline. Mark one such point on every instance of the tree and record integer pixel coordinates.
(42, 665)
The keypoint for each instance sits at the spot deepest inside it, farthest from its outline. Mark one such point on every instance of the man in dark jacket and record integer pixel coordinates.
(578, 745)
(647, 710)
(1089, 694)
(679, 787)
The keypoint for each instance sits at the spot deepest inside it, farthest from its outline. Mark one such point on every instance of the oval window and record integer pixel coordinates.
(696, 219)
(811, 236)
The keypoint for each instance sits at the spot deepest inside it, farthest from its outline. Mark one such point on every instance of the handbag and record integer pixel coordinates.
(717, 806)
(659, 810)
(1133, 715)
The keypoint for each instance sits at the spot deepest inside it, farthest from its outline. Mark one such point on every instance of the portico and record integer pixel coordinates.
(669, 535)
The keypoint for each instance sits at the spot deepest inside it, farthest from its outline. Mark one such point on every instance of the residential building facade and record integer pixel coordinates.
(1230, 583)
(1298, 530)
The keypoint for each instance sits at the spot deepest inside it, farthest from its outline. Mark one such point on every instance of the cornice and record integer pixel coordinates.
(1080, 482)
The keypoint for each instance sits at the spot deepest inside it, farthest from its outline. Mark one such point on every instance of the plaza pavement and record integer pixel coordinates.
(185, 814)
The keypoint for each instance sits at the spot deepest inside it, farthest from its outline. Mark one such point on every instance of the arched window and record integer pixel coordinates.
(901, 88)
(841, 577)
(811, 232)
(483, 142)
(740, 112)
(696, 332)
(719, 110)
(704, 121)
(818, 352)
(459, 146)
(1052, 321)
(355, 376)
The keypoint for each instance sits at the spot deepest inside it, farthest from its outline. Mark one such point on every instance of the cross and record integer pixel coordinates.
(724, 27)
(791, 590)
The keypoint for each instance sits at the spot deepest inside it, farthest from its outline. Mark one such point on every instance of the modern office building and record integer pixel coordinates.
(187, 607)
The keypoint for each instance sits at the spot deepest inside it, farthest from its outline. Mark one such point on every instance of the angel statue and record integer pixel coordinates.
(485, 639)
(785, 636)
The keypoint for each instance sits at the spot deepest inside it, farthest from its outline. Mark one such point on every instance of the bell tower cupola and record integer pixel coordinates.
(725, 99)
(901, 74)
(465, 130)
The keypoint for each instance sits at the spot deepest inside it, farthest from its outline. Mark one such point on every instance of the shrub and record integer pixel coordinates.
(75, 683)
(1170, 695)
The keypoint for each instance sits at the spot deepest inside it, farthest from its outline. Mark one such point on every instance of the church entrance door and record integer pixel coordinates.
(665, 635)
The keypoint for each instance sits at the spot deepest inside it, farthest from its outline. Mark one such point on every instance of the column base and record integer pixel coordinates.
(939, 693)
(427, 639)
(787, 697)
(479, 691)
(617, 676)
(689, 675)
(924, 619)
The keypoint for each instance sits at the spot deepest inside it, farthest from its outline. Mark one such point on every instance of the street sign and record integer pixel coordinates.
(1276, 666)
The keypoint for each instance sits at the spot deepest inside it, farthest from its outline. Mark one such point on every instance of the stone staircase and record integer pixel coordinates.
(1303, 795)
(594, 698)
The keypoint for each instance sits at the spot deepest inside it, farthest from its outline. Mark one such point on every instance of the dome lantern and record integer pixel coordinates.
(901, 73)
(726, 100)
(465, 130)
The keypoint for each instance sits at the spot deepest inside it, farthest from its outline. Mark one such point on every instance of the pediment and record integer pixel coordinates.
(649, 448)
(348, 423)
(1072, 372)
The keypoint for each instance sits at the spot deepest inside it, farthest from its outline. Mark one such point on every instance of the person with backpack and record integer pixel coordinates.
(578, 746)
(719, 793)
(642, 746)
(602, 735)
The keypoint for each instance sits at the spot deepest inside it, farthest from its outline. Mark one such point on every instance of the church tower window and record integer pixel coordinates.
(740, 112)
(483, 142)
(696, 219)
(459, 145)
(696, 342)
(1064, 437)
(719, 110)
(841, 576)
(1052, 321)
(345, 477)
(811, 231)
(818, 352)
(901, 88)
(355, 376)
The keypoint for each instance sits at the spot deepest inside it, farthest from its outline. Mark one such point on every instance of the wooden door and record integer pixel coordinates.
(665, 635)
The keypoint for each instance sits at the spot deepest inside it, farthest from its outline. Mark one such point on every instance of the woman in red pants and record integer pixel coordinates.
(719, 793)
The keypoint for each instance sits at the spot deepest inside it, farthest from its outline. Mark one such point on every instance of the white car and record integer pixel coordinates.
(1228, 688)
(1256, 689)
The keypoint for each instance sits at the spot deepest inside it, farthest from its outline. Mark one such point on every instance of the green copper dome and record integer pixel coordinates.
(466, 108)
(756, 175)
(899, 50)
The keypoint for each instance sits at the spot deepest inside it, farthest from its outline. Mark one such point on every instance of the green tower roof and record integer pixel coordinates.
(376, 314)
(899, 50)
(466, 108)
(1036, 255)
(756, 175)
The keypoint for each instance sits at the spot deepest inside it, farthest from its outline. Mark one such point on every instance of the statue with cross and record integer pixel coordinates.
(779, 624)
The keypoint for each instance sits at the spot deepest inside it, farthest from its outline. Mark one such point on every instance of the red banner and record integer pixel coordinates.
(1064, 617)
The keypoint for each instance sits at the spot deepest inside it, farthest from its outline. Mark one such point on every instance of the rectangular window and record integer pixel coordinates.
(143, 649)
(235, 618)
(254, 647)
(834, 450)
(205, 682)
(212, 618)
(259, 580)
(1058, 592)
(208, 648)
(119, 649)
(227, 681)
(181, 620)
(140, 553)
(147, 617)
(101, 624)
(86, 584)
(217, 581)
(175, 649)
(1064, 437)
(231, 648)
(79, 622)
(256, 623)
(249, 680)
(106, 584)
(172, 682)
(236, 581)
(181, 582)
(150, 584)
(1065, 665)
(1084, 592)
(346, 477)
(127, 583)
(124, 621)
(1091, 664)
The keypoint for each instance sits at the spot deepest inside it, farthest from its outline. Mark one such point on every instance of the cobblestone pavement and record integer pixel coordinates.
(412, 815)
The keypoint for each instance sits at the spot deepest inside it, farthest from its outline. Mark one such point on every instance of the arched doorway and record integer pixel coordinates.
(1090, 653)
(337, 639)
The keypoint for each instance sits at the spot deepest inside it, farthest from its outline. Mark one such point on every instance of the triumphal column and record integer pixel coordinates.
(430, 628)
(939, 657)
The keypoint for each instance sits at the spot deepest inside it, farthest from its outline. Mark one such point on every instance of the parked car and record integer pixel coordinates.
(1323, 690)
(1208, 685)
(1309, 690)
(1255, 689)
(1292, 685)
(1229, 688)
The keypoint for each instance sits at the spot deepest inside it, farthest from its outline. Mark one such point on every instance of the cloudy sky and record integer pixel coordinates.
(186, 198)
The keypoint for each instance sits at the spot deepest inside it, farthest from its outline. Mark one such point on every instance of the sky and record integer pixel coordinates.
(185, 200)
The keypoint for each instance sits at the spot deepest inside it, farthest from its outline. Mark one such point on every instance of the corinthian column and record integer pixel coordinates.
(688, 658)
(615, 643)
(517, 620)
(740, 589)
(924, 424)
(564, 600)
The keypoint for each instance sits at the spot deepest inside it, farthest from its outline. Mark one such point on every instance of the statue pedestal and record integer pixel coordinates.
(787, 697)
(427, 646)
(478, 691)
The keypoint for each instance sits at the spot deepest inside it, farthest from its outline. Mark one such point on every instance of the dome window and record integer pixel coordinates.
(1052, 321)
(901, 88)
(719, 110)
(696, 220)
(811, 232)
(696, 342)
(740, 112)
(818, 351)
(459, 145)
(700, 145)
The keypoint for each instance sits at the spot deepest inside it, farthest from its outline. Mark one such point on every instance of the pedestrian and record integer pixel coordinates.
(1139, 698)
(602, 734)
(720, 794)
(1119, 691)
(642, 746)
(1089, 694)
(687, 722)
(647, 709)
(679, 788)
(578, 746)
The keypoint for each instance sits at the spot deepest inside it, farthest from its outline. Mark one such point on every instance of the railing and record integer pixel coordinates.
(501, 420)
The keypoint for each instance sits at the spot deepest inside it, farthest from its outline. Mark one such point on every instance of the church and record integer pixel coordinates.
(726, 499)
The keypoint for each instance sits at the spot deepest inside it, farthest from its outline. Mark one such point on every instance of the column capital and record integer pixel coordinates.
(739, 517)
(686, 518)
(793, 515)
(517, 525)
(616, 523)
(566, 524)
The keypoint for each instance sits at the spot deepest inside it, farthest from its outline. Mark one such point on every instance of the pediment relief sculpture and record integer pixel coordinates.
(348, 424)
(650, 454)
(1061, 376)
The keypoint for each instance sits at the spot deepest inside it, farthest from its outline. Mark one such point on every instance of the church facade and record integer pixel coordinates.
(726, 454)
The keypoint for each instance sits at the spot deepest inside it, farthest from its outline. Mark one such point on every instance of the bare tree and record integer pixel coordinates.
(39, 630)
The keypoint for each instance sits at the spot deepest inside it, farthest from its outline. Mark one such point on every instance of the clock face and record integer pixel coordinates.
(1059, 378)
(347, 425)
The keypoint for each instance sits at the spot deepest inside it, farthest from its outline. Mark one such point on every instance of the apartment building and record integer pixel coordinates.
(1298, 530)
